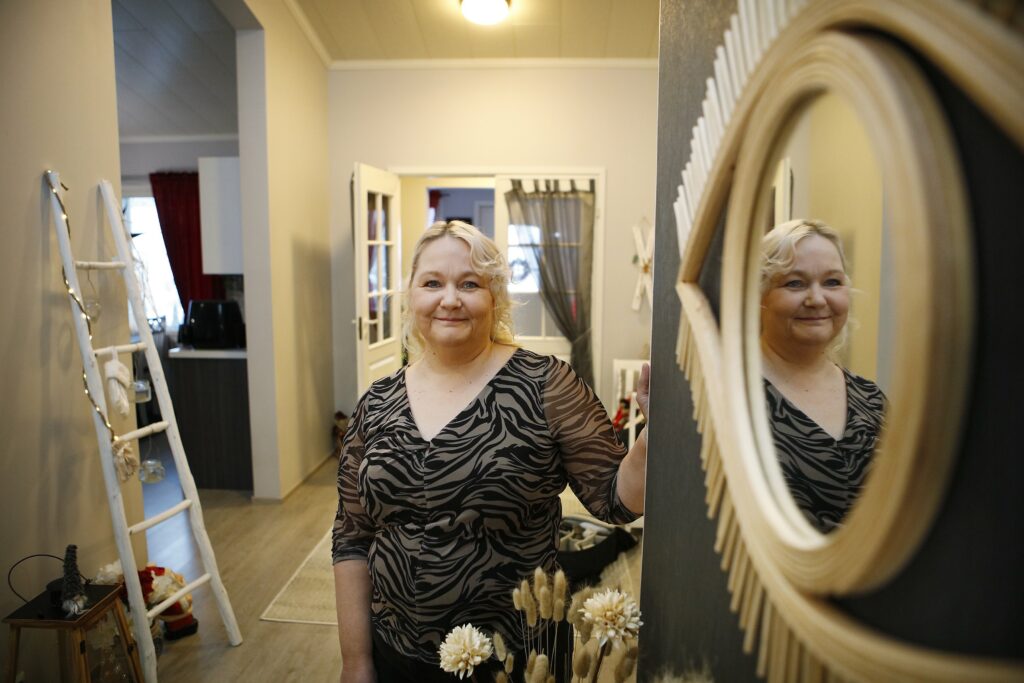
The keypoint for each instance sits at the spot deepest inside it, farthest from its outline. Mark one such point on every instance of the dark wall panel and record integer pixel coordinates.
(684, 600)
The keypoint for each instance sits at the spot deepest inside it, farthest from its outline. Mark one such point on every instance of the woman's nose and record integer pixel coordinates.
(815, 295)
(451, 298)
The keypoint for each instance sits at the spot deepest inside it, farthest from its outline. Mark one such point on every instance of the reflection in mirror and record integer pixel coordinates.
(824, 324)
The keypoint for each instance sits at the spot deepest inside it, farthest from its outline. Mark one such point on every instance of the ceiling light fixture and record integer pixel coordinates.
(485, 12)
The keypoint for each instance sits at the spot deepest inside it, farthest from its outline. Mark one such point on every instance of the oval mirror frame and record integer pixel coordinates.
(780, 601)
(932, 253)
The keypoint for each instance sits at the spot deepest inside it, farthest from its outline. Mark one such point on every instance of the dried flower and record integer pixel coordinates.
(581, 662)
(531, 661)
(529, 604)
(614, 615)
(501, 677)
(540, 669)
(540, 580)
(544, 597)
(558, 610)
(575, 616)
(560, 585)
(626, 664)
(517, 599)
(464, 648)
(499, 647)
(510, 663)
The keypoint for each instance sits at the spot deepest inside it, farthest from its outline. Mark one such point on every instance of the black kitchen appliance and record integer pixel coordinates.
(213, 324)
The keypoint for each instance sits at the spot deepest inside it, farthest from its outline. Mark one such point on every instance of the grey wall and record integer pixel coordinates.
(684, 601)
(961, 592)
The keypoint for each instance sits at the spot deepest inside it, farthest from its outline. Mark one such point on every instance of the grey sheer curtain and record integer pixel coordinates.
(564, 258)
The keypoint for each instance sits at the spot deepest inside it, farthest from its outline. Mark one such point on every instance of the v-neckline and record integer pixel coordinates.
(795, 408)
(472, 402)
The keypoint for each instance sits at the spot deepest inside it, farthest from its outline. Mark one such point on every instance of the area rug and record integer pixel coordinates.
(308, 596)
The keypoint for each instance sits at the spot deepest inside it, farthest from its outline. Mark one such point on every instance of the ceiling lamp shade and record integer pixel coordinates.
(485, 11)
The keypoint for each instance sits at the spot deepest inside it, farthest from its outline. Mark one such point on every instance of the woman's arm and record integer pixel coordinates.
(633, 469)
(352, 598)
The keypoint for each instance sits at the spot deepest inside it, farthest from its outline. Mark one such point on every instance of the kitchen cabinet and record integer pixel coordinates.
(210, 393)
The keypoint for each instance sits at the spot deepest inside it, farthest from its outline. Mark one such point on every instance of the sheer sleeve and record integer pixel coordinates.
(353, 529)
(590, 451)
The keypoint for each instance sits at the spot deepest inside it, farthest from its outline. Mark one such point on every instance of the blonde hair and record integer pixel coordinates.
(778, 255)
(486, 260)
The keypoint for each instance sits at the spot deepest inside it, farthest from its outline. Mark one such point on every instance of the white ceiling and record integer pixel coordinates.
(175, 59)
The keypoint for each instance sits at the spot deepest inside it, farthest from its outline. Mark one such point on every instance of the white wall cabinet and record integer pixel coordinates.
(220, 211)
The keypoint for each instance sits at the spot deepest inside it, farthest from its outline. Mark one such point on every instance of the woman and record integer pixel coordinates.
(825, 420)
(452, 467)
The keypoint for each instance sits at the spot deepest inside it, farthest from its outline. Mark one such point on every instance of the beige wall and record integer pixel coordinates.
(58, 111)
(837, 179)
(438, 118)
(282, 133)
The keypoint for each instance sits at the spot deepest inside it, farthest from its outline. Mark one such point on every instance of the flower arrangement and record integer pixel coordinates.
(602, 623)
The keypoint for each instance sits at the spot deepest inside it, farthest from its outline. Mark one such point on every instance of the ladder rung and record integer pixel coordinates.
(145, 431)
(99, 265)
(120, 348)
(177, 596)
(156, 519)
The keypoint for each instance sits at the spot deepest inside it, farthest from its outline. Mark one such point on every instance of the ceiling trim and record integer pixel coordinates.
(511, 63)
(307, 28)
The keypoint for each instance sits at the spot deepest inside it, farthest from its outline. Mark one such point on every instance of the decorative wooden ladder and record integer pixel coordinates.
(109, 441)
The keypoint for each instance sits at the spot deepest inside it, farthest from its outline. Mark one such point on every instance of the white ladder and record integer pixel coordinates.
(105, 435)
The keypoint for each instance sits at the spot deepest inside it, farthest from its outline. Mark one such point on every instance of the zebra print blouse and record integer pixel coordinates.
(825, 476)
(450, 526)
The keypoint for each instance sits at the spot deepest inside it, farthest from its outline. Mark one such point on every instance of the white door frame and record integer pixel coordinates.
(597, 281)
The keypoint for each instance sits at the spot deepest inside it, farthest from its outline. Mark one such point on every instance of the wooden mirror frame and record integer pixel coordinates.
(777, 570)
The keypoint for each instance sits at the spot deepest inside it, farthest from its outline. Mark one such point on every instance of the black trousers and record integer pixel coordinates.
(394, 667)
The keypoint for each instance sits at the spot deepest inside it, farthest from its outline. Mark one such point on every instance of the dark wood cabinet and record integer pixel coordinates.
(210, 393)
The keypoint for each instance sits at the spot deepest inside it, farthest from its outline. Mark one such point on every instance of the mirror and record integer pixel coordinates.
(825, 310)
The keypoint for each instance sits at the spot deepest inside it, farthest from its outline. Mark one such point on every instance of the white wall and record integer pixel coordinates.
(282, 100)
(58, 111)
(499, 118)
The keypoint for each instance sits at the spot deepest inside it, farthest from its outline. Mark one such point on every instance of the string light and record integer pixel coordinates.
(114, 438)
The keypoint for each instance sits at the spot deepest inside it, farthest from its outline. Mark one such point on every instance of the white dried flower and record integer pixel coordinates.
(614, 616)
(464, 648)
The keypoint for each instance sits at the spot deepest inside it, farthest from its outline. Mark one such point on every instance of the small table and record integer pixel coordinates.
(40, 612)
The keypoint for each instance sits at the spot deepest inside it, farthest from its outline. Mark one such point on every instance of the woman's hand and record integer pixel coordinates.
(643, 391)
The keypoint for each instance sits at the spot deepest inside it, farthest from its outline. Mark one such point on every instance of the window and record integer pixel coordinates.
(160, 295)
(531, 318)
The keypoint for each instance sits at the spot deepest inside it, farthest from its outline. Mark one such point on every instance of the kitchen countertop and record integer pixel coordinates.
(187, 352)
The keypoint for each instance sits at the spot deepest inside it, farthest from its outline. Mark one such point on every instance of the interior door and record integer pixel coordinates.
(378, 238)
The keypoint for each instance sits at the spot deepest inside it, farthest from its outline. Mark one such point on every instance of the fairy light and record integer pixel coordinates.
(114, 438)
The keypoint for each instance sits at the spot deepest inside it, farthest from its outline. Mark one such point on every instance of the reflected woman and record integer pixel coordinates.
(825, 420)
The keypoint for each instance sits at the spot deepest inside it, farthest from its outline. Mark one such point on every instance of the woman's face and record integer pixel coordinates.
(808, 305)
(451, 303)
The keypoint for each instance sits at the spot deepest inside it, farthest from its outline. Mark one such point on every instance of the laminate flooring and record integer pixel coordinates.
(258, 546)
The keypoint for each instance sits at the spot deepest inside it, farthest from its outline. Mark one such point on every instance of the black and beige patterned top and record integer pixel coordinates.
(824, 475)
(449, 526)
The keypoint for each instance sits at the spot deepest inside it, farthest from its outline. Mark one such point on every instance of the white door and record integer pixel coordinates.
(378, 239)
(535, 329)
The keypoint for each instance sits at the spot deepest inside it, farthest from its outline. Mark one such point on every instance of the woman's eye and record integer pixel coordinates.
(793, 284)
(833, 282)
(470, 285)
(432, 283)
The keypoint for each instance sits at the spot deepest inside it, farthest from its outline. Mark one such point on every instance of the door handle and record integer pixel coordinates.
(358, 322)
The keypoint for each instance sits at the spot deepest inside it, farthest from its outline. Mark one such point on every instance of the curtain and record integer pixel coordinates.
(564, 258)
(177, 206)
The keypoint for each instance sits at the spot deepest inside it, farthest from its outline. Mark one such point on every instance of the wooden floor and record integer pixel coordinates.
(258, 547)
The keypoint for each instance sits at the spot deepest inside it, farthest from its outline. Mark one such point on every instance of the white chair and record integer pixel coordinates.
(626, 376)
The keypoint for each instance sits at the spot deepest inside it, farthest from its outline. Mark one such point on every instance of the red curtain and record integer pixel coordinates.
(177, 205)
